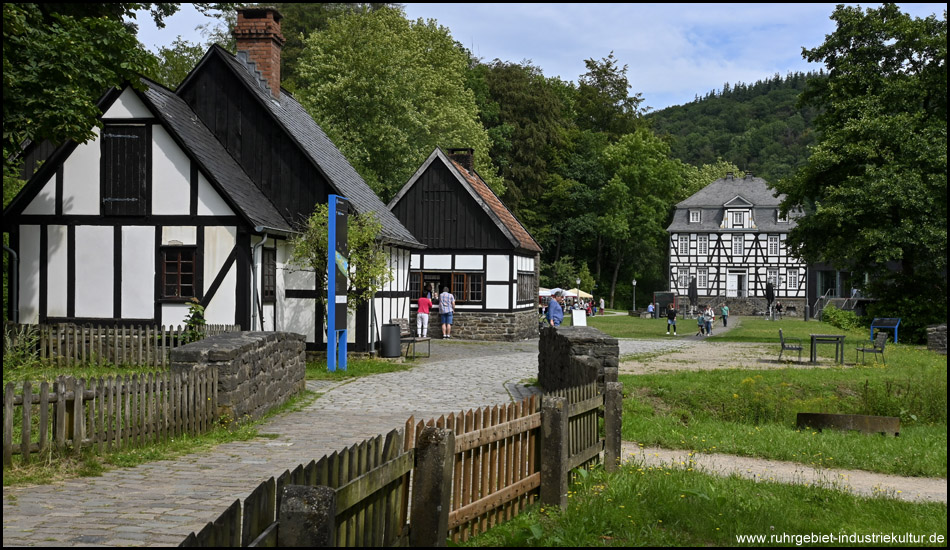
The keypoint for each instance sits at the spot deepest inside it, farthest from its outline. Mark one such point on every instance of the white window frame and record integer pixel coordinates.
(694, 216)
(773, 245)
(684, 244)
(792, 275)
(702, 245)
(738, 245)
(738, 219)
(772, 277)
(779, 218)
(683, 280)
(702, 277)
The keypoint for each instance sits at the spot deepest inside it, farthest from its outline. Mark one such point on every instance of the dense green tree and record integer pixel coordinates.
(875, 186)
(525, 117)
(388, 91)
(175, 62)
(645, 185)
(604, 103)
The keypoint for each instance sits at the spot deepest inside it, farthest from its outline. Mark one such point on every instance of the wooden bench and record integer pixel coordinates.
(878, 347)
(406, 337)
(789, 347)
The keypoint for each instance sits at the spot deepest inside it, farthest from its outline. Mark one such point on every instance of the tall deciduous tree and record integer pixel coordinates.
(388, 91)
(875, 186)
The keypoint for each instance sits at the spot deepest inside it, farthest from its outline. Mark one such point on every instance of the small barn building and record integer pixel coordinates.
(474, 246)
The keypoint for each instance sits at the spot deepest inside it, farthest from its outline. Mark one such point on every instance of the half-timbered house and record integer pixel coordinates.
(192, 194)
(474, 246)
(731, 237)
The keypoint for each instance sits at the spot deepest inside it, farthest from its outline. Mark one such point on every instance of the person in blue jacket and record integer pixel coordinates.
(555, 312)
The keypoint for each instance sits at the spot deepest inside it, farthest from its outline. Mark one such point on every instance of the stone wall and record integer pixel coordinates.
(256, 370)
(477, 325)
(937, 338)
(746, 306)
(573, 356)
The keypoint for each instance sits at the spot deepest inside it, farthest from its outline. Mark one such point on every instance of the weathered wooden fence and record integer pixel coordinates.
(492, 468)
(67, 344)
(105, 413)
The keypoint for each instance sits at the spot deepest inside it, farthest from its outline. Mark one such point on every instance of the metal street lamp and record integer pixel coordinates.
(634, 282)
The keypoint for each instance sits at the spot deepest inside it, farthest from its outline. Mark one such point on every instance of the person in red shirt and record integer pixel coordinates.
(422, 316)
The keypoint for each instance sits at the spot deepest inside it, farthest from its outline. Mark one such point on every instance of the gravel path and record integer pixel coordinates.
(159, 503)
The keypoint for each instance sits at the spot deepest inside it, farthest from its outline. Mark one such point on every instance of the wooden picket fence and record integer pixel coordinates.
(371, 480)
(496, 475)
(106, 413)
(67, 344)
(497, 468)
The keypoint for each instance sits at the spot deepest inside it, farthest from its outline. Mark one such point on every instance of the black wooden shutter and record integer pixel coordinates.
(124, 166)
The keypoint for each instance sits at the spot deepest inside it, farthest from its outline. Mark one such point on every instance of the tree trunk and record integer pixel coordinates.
(613, 280)
(600, 244)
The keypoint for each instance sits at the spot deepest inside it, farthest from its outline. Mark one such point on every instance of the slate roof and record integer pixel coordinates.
(313, 141)
(223, 171)
(484, 197)
(711, 199)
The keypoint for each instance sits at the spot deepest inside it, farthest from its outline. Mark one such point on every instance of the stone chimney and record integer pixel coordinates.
(258, 35)
(465, 157)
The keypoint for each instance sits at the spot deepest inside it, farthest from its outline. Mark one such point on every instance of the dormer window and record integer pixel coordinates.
(780, 218)
(738, 220)
(694, 216)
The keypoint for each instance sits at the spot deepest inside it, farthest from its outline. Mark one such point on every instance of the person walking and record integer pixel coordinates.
(422, 315)
(601, 305)
(708, 318)
(671, 318)
(724, 311)
(555, 314)
(446, 309)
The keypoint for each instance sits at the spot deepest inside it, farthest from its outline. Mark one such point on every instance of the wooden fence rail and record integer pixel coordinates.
(106, 413)
(496, 473)
(67, 344)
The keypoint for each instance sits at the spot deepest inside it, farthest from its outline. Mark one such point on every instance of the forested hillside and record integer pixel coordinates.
(759, 127)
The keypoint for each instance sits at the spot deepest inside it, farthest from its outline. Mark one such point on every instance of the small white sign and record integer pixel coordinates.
(579, 318)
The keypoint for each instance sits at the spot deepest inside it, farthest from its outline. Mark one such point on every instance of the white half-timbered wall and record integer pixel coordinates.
(735, 263)
(500, 273)
(76, 265)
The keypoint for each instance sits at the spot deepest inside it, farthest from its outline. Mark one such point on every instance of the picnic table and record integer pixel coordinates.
(836, 339)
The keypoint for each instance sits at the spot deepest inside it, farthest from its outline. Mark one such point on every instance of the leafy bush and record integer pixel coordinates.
(847, 320)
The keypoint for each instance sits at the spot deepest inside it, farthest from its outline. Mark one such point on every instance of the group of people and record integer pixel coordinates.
(704, 321)
(446, 302)
(554, 311)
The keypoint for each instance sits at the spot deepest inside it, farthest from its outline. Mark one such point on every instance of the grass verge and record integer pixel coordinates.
(643, 506)
(355, 368)
(753, 413)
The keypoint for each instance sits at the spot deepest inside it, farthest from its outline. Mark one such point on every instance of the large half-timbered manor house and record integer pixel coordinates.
(193, 194)
(730, 236)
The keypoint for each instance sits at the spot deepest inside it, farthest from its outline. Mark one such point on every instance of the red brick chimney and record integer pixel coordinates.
(258, 33)
(464, 156)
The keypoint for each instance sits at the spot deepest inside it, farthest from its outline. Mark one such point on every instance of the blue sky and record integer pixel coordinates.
(673, 51)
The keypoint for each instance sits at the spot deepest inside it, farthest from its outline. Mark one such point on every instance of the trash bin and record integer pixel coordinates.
(389, 341)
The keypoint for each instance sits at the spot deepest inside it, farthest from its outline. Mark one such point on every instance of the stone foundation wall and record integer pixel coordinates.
(746, 306)
(256, 370)
(937, 338)
(574, 356)
(476, 325)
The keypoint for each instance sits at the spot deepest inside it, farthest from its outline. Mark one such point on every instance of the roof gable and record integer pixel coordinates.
(482, 196)
(304, 133)
(737, 201)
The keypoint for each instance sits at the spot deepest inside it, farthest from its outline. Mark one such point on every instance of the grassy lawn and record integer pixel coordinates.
(641, 506)
(752, 413)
